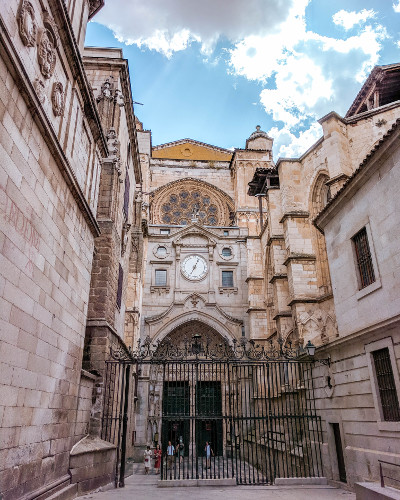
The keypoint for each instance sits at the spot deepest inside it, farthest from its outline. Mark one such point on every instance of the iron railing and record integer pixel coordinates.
(382, 476)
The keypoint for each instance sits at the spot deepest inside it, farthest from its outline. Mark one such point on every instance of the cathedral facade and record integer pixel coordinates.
(108, 242)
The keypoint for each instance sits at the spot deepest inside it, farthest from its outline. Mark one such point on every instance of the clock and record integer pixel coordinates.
(194, 267)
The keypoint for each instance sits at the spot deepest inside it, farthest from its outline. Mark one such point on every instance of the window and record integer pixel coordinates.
(227, 278)
(126, 195)
(226, 252)
(363, 258)
(119, 289)
(164, 231)
(161, 277)
(161, 251)
(226, 233)
(386, 385)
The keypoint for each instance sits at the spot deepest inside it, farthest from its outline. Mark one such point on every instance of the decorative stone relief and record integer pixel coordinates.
(40, 90)
(46, 53)
(125, 237)
(26, 23)
(112, 143)
(105, 92)
(58, 99)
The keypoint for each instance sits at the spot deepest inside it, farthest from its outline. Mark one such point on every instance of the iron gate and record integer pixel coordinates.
(258, 416)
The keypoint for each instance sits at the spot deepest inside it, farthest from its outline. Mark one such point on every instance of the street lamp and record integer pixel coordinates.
(310, 348)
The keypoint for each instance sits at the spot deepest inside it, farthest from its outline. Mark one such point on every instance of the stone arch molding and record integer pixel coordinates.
(215, 321)
(179, 201)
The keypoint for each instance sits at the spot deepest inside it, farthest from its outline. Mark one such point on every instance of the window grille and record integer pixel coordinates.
(386, 385)
(227, 278)
(364, 259)
(161, 277)
(119, 289)
(226, 252)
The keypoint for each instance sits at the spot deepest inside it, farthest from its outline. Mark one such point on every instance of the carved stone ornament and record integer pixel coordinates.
(106, 91)
(26, 23)
(47, 53)
(58, 99)
(40, 90)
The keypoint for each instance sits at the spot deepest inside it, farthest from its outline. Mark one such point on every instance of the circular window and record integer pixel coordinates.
(161, 251)
(226, 252)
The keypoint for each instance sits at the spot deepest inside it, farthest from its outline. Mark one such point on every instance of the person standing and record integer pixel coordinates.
(157, 458)
(170, 455)
(147, 460)
(209, 453)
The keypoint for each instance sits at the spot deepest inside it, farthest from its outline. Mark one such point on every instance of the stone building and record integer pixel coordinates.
(106, 241)
(313, 295)
(69, 182)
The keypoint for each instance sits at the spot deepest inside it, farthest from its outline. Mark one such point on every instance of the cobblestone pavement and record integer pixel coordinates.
(141, 487)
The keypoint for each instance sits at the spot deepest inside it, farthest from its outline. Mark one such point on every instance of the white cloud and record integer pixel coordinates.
(305, 74)
(349, 19)
(170, 26)
(289, 145)
(396, 7)
(310, 71)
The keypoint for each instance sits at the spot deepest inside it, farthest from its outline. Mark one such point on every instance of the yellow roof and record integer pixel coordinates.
(188, 149)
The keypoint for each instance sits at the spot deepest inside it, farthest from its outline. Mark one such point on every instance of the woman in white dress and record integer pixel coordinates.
(147, 460)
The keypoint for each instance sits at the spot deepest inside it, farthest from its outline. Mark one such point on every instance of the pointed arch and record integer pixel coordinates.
(319, 197)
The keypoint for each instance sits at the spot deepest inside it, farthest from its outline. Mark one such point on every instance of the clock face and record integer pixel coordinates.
(194, 267)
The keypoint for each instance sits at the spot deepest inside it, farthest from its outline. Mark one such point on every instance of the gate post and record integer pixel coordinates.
(124, 427)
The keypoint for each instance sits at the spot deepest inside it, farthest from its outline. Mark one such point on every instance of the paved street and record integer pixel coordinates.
(141, 487)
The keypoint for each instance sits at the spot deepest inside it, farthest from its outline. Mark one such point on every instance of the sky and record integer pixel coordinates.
(211, 70)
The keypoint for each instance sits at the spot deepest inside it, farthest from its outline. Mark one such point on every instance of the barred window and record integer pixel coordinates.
(226, 252)
(161, 277)
(364, 259)
(386, 385)
(227, 278)
(119, 289)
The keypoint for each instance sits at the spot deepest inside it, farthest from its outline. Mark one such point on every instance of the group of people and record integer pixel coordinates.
(171, 453)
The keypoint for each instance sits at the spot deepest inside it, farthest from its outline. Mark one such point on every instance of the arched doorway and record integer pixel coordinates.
(193, 394)
(253, 404)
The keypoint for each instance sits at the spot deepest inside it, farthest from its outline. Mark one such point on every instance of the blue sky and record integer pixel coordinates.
(213, 70)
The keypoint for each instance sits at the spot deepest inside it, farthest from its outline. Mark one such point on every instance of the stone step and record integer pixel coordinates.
(300, 481)
(67, 493)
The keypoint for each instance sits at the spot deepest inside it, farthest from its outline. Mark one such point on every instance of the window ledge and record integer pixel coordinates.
(159, 289)
(369, 289)
(388, 426)
(228, 289)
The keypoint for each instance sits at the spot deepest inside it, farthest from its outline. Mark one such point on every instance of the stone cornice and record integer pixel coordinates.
(276, 237)
(300, 257)
(253, 278)
(278, 276)
(16, 67)
(295, 214)
(282, 314)
(303, 300)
